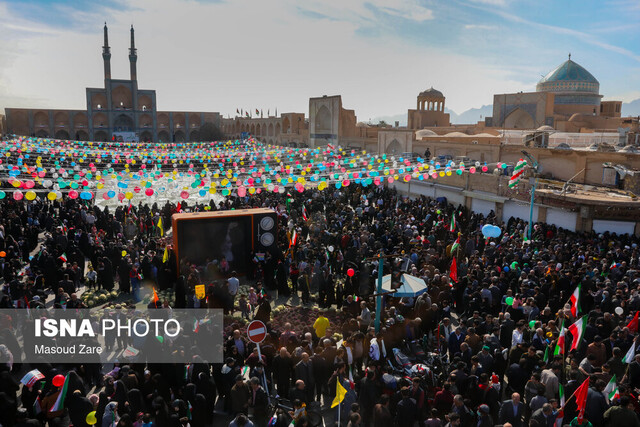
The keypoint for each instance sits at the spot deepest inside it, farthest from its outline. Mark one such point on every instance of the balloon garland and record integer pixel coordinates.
(126, 172)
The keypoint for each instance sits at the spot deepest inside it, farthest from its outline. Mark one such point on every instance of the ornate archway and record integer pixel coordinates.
(323, 120)
(163, 136)
(394, 147)
(519, 119)
(62, 134)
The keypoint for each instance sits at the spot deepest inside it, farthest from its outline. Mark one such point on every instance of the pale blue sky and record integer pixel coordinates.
(378, 54)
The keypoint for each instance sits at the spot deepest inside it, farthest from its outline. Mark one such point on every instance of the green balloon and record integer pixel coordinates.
(532, 324)
(509, 300)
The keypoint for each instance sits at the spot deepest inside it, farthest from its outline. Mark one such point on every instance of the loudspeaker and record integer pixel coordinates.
(265, 227)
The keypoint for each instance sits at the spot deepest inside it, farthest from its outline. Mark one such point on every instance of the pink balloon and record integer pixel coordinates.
(242, 191)
(73, 194)
(350, 272)
(29, 184)
(184, 194)
(137, 189)
(149, 191)
(17, 195)
(105, 196)
(121, 196)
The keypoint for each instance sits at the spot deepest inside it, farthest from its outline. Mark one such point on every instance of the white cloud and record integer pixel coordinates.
(244, 54)
(480, 27)
(491, 2)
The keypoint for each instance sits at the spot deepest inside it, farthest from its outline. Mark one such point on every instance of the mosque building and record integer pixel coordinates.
(118, 111)
(567, 99)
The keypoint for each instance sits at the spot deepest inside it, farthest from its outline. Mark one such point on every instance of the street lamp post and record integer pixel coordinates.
(534, 166)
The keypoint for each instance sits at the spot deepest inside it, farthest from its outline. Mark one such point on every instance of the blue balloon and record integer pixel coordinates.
(86, 195)
(111, 193)
(506, 269)
(486, 230)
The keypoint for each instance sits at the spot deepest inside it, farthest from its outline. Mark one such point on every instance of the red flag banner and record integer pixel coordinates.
(454, 270)
(633, 325)
(581, 399)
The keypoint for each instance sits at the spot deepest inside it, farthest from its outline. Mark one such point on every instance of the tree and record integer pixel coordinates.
(210, 132)
(382, 124)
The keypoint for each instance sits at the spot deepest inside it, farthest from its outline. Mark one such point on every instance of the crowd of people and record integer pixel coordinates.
(487, 343)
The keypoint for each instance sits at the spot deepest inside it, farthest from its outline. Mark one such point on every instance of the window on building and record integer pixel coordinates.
(601, 108)
(618, 108)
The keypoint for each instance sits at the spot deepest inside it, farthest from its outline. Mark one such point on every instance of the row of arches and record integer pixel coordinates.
(121, 98)
(260, 129)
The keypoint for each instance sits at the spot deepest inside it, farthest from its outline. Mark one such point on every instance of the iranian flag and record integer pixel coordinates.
(560, 416)
(610, 389)
(304, 213)
(59, 405)
(575, 301)
(631, 354)
(294, 238)
(517, 173)
(452, 226)
(577, 331)
(456, 244)
(63, 257)
(559, 350)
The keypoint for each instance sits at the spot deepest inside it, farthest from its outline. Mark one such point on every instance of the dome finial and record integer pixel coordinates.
(569, 56)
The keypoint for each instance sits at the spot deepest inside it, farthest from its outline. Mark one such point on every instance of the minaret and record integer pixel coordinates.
(133, 57)
(106, 54)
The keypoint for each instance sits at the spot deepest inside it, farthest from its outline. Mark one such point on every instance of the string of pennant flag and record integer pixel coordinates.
(34, 167)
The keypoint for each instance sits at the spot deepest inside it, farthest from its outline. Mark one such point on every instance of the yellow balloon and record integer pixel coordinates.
(322, 185)
(16, 183)
(128, 195)
(52, 196)
(252, 190)
(212, 190)
(100, 186)
(124, 253)
(30, 195)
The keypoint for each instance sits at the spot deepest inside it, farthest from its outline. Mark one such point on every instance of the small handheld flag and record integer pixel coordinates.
(341, 392)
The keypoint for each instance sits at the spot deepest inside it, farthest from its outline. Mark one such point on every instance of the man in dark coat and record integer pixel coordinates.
(304, 372)
(259, 401)
(512, 411)
(407, 409)
(282, 368)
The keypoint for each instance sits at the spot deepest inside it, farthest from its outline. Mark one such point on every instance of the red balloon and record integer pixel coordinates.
(58, 381)
(351, 272)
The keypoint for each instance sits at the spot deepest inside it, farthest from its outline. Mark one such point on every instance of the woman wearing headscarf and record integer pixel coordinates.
(200, 415)
(110, 417)
(75, 383)
(79, 407)
(136, 402)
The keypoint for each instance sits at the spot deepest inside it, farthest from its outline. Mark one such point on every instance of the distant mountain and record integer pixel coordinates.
(631, 108)
(471, 116)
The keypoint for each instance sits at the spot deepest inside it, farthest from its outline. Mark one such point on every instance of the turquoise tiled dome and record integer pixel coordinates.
(569, 77)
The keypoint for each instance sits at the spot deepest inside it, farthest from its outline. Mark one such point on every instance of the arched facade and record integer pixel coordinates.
(323, 120)
(519, 119)
(41, 120)
(121, 98)
(62, 134)
(179, 136)
(394, 148)
(163, 136)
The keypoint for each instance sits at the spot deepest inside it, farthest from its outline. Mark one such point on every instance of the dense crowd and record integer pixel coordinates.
(478, 348)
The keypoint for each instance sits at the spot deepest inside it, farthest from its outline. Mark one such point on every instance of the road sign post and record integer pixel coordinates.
(257, 332)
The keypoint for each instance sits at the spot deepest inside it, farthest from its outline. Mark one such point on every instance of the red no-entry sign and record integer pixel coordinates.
(256, 331)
